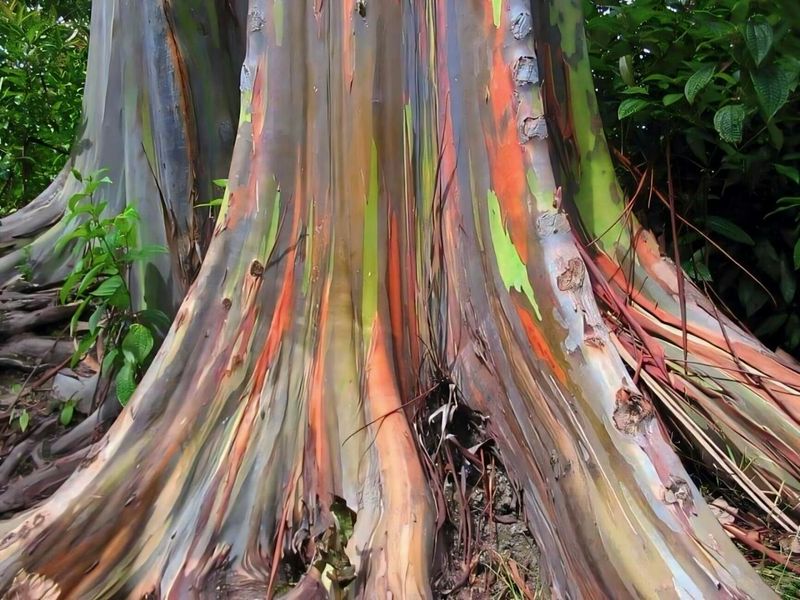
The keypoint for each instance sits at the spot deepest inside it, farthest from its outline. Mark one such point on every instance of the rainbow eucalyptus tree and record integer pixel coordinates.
(418, 190)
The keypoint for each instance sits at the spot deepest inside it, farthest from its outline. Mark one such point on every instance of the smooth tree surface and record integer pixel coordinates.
(419, 195)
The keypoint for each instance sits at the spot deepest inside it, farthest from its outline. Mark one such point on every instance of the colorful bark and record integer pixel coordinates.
(391, 197)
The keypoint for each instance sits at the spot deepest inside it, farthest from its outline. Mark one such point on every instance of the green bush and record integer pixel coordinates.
(714, 83)
(106, 248)
(42, 68)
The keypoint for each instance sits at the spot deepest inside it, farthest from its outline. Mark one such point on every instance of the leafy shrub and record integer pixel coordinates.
(714, 84)
(106, 247)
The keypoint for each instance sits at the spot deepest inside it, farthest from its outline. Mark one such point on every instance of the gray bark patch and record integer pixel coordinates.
(521, 25)
(526, 71)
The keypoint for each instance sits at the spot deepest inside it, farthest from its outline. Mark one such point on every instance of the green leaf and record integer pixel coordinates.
(84, 346)
(630, 106)
(72, 203)
(671, 99)
(145, 252)
(223, 183)
(786, 203)
(120, 300)
(697, 270)
(771, 325)
(729, 229)
(126, 384)
(729, 122)
(698, 81)
(740, 10)
(157, 318)
(758, 36)
(94, 320)
(788, 282)
(108, 361)
(658, 77)
(90, 277)
(789, 172)
(797, 255)
(109, 287)
(626, 69)
(81, 232)
(751, 296)
(67, 411)
(73, 322)
(776, 136)
(772, 88)
(215, 202)
(726, 78)
(70, 283)
(138, 342)
(24, 420)
(345, 518)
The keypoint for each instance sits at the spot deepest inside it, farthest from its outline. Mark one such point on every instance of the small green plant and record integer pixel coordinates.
(220, 183)
(22, 418)
(19, 416)
(67, 412)
(106, 248)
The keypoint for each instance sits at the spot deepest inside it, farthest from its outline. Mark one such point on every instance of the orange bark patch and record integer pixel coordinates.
(540, 345)
(257, 105)
(505, 153)
(318, 439)
(394, 284)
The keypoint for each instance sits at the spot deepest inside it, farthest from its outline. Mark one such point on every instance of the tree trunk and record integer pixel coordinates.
(392, 221)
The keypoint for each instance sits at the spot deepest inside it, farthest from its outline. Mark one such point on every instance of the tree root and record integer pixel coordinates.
(24, 450)
(27, 490)
(29, 352)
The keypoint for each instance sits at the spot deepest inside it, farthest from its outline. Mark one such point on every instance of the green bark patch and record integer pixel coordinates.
(369, 294)
(497, 11)
(513, 271)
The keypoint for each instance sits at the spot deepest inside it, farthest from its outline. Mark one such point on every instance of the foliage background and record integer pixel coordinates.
(712, 84)
(43, 51)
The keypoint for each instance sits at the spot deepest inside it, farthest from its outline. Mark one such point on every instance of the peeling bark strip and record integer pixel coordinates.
(378, 172)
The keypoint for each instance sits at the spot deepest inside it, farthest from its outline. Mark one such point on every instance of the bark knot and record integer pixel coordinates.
(678, 492)
(572, 277)
(256, 269)
(226, 303)
(633, 411)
